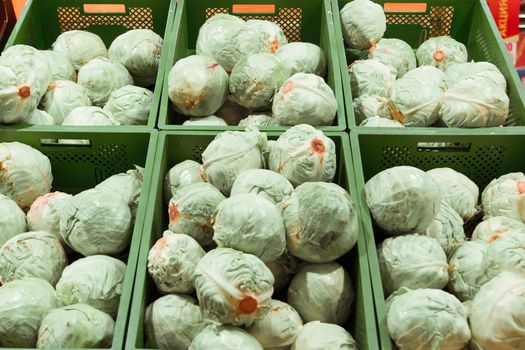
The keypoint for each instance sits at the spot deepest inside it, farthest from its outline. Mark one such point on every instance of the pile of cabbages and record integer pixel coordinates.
(256, 218)
(44, 302)
(79, 81)
(444, 89)
(447, 289)
(246, 73)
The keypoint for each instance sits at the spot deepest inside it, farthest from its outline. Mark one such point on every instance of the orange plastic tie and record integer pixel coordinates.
(24, 91)
(439, 55)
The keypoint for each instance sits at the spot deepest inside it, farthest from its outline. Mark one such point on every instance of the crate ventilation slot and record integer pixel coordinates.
(71, 18)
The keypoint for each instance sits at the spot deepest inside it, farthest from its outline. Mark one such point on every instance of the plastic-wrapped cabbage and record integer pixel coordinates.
(461, 71)
(218, 38)
(427, 319)
(224, 338)
(233, 287)
(39, 117)
(302, 154)
(61, 67)
(172, 321)
(139, 51)
(440, 52)
(259, 36)
(251, 224)
(172, 261)
(96, 221)
(508, 253)
(300, 57)
(255, 80)
(229, 154)
(447, 228)
(381, 122)
(96, 280)
(44, 214)
(429, 74)
(283, 269)
(25, 173)
(474, 103)
(395, 53)
(22, 304)
(459, 191)
(264, 183)
(363, 23)
(496, 314)
(321, 222)
(101, 77)
(80, 47)
(130, 105)
(412, 261)
(75, 326)
(304, 99)
(403, 199)
(278, 328)
(496, 227)
(32, 254)
(128, 185)
(317, 335)
(182, 174)
(258, 120)
(211, 120)
(12, 220)
(198, 86)
(371, 77)
(505, 196)
(18, 97)
(370, 106)
(192, 209)
(322, 292)
(416, 102)
(62, 97)
(89, 116)
(469, 269)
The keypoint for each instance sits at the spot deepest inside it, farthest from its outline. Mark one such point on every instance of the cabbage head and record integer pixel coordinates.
(301, 57)
(258, 120)
(395, 53)
(130, 105)
(251, 224)
(381, 122)
(211, 120)
(75, 326)
(233, 287)
(496, 227)
(62, 97)
(39, 117)
(60, 65)
(19, 97)
(259, 36)
(363, 23)
(279, 327)
(224, 338)
(447, 228)
(412, 261)
(172, 261)
(371, 77)
(80, 47)
(440, 52)
(219, 39)
(403, 199)
(429, 74)
(317, 335)
(89, 116)
(303, 154)
(172, 321)
(264, 183)
(458, 191)
(96, 221)
(32, 254)
(505, 196)
(322, 292)
(25, 173)
(321, 222)
(229, 154)
(44, 214)
(461, 71)
(304, 99)
(255, 80)
(12, 220)
(283, 269)
(496, 315)
(23, 303)
(371, 106)
(427, 319)
(96, 280)
(192, 209)
(508, 253)
(182, 174)
(139, 51)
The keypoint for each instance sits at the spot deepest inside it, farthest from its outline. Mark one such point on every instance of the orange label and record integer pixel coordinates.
(405, 7)
(104, 8)
(253, 8)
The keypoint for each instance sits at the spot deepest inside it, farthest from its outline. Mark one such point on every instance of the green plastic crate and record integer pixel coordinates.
(468, 21)
(77, 168)
(479, 157)
(43, 20)
(174, 147)
(308, 20)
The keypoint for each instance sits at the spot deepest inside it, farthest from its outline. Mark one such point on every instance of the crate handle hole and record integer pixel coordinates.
(104, 8)
(443, 147)
(405, 7)
(65, 143)
(253, 8)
